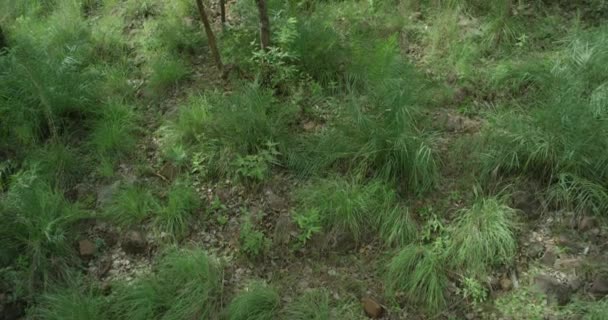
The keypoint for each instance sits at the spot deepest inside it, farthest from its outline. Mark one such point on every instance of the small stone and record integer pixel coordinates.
(134, 242)
(599, 287)
(86, 248)
(506, 284)
(549, 258)
(372, 308)
(535, 250)
(553, 289)
(587, 223)
(275, 202)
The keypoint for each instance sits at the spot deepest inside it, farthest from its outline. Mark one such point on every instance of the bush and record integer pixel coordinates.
(257, 302)
(186, 284)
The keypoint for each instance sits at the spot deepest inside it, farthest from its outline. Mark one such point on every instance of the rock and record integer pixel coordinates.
(86, 248)
(134, 242)
(599, 287)
(372, 308)
(506, 284)
(549, 258)
(456, 123)
(526, 203)
(535, 250)
(105, 193)
(275, 202)
(553, 289)
(284, 229)
(587, 223)
(169, 171)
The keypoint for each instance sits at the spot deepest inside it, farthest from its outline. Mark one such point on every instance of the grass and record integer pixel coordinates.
(133, 204)
(74, 302)
(311, 305)
(257, 302)
(113, 131)
(175, 216)
(419, 272)
(186, 284)
(483, 236)
(36, 229)
(349, 206)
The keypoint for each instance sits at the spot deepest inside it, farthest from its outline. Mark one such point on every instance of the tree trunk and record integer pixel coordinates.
(223, 11)
(210, 36)
(264, 24)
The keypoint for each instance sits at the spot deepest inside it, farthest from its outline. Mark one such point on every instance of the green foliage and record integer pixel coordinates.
(186, 284)
(473, 291)
(132, 205)
(35, 228)
(312, 305)
(58, 164)
(253, 242)
(349, 206)
(309, 222)
(181, 203)
(419, 272)
(257, 302)
(74, 302)
(166, 72)
(483, 236)
(113, 131)
(524, 303)
(256, 167)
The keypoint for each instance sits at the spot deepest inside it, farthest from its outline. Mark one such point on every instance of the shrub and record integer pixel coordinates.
(257, 302)
(483, 236)
(35, 228)
(419, 272)
(253, 242)
(186, 284)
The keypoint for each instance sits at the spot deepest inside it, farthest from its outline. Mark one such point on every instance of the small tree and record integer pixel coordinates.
(264, 24)
(210, 36)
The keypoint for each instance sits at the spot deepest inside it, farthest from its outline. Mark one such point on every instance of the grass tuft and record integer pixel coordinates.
(257, 302)
(312, 305)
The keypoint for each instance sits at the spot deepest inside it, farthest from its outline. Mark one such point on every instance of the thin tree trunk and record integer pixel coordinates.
(223, 11)
(210, 36)
(264, 24)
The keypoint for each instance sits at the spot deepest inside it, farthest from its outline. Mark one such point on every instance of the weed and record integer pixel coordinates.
(257, 302)
(113, 130)
(309, 222)
(253, 242)
(473, 290)
(523, 303)
(256, 167)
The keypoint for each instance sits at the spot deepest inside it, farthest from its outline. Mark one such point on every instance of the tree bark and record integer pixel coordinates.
(210, 36)
(223, 11)
(264, 24)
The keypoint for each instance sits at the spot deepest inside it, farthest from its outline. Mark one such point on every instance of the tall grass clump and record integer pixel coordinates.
(358, 209)
(483, 236)
(45, 80)
(564, 132)
(58, 163)
(216, 129)
(377, 133)
(186, 284)
(175, 215)
(113, 130)
(257, 302)
(312, 305)
(74, 301)
(418, 271)
(133, 204)
(35, 228)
